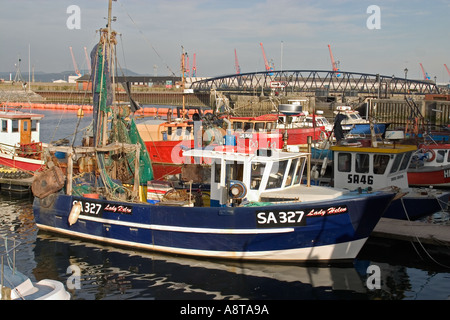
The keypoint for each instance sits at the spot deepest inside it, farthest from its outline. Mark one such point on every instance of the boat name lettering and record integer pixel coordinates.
(327, 211)
(363, 179)
(397, 177)
(118, 209)
(270, 219)
(89, 207)
(246, 135)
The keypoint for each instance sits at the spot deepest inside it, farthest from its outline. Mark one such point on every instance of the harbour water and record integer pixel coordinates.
(384, 270)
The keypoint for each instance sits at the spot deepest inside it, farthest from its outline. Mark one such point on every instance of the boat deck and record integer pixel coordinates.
(304, 193)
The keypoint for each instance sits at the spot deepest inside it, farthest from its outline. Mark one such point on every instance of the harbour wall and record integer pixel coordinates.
(435, 109)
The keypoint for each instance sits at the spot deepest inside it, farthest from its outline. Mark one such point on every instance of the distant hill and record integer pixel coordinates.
(50, 77)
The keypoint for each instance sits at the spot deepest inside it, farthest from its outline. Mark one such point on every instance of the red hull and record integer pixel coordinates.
(20, 163)
(436, 166)
(167, 156)
(300, 135)
(437, 178)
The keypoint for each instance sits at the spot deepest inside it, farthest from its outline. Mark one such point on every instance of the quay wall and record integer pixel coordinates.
(398, 112)
(435, 109)
(155, 98)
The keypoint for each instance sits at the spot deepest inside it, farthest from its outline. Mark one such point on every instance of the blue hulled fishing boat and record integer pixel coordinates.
(242, 205)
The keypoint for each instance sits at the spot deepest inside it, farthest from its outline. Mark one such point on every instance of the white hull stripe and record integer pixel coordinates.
(346, 250)
(185, 229)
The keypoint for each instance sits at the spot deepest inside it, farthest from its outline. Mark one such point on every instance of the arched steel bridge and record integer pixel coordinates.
(322, 82)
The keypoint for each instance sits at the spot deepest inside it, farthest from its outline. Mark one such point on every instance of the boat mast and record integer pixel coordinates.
(183, 82)
(108, 51)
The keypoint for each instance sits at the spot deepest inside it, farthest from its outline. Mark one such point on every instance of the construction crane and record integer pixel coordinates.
(447, 69)
(87, 60)
(186, 65)
(425, 74)
(266, 63)
(333, 63)
(74, 63)
(236, 63)
(194, 66)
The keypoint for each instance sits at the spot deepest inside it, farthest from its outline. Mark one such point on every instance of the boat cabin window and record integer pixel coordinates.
(259, 126)
(344, 162)
(397, 161)
(217, 167)
(237, 125)
(235, 171)
(362, 163)
(277, 174)
(270, 126)
(248, 126)
(4, 125)
(34, 125)
(380, 162)
(293, 175)
(15, 126)
(188, 131)
(301, 168)
(440, 155)
(256, 175)
(405, 161)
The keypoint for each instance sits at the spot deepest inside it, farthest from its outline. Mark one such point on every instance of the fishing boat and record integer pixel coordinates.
(20, 145)
(384, 165)
(349, 117)
(256, 207)
(16, 286)
(166, 140)
(258, 210)
(430, 166)
(356, 126)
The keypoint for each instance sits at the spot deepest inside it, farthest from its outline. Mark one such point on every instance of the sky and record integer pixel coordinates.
(295, 35)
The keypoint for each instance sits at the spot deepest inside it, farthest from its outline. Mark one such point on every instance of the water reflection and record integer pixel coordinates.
(113, 273)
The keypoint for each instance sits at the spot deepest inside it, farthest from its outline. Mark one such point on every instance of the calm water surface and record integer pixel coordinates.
(118, 273)
(109, 273)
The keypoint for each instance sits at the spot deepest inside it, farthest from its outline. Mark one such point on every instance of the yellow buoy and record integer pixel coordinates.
(80, 112)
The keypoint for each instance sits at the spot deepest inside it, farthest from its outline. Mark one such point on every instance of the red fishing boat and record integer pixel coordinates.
(430, 166)
(20, 146)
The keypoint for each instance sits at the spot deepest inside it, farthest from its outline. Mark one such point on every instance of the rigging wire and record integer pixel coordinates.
(146, 39)
(420, 242)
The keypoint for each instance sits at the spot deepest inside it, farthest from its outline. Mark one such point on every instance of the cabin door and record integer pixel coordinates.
(25, 131)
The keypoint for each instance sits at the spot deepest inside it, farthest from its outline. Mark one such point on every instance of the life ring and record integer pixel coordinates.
(237, 190)
(74, 213)
(431, 151)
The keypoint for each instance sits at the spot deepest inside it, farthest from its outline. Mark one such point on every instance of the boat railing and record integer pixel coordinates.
(29, 150)
(7, 149)
(8, 246)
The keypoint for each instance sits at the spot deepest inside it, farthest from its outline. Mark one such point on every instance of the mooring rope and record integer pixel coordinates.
(420, 242)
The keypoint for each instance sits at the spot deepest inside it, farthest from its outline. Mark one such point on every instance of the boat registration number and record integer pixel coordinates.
(90, 208)
(273, 218)
(97, 209)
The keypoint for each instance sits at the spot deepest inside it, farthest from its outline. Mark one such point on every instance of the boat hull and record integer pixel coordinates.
(432, 176)
(413, 207)
(26, 164)
(329, 230)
